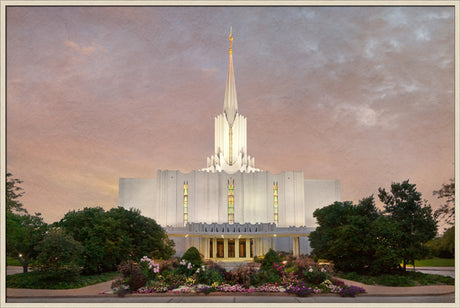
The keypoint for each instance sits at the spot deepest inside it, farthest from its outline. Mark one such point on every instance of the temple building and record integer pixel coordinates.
(230, 210)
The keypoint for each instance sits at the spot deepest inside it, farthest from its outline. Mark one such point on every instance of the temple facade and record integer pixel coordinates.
(230, 210)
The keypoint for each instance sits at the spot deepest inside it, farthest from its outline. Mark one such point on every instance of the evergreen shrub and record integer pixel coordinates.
(270, 257)
(192, 255)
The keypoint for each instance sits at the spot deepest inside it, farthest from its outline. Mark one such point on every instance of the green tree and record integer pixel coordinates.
(87, 226)
(13, 193)
(349, 235)
(23, 232)
(413, 218)
(111, 237)
(447, 211)
(192, 255)
(443, 247)
(142, 235)
(270, 257)
(59, 256)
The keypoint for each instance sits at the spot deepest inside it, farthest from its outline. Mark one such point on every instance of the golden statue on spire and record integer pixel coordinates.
(230, 38)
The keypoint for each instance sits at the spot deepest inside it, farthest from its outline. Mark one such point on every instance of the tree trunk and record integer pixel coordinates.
(25, 263)
(404, 264)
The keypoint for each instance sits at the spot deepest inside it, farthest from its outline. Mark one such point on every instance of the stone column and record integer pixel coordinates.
(225, 248)
(237, 248)
(257, 246)
(248, 248)
(295, 246)
(206, 247)
(214, 248)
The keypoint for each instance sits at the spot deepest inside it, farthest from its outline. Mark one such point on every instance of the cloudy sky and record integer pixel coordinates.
(364, 95)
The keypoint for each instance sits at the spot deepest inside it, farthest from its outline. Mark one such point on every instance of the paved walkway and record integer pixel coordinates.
(96, 289)
(372, 290)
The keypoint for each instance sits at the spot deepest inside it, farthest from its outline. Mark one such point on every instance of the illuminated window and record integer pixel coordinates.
(231, 208)
(275, 201)
(185, 202)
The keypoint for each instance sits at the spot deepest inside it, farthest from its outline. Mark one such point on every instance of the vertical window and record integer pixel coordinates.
(230, 146)
(231, 208)
(185, 202)
(275, 201)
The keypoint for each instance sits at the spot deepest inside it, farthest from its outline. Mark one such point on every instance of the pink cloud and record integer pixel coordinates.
(85, 50)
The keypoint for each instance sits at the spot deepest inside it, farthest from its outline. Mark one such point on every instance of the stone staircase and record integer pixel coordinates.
(229, 265)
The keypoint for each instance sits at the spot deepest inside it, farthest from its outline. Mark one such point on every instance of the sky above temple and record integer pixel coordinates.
(360, 94)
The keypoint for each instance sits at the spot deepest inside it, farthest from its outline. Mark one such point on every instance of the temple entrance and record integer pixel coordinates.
(210, 249)
(242, 247)
(220, 249)
(231, 248)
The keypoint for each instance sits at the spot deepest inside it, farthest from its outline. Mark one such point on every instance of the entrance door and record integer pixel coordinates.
(231, 248)
(210, 248)
(242, 248)
(220, 248)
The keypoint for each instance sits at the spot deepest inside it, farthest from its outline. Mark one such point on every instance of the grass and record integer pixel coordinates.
(407, 279)
(434, 262)
(12, 262)
(34, 280)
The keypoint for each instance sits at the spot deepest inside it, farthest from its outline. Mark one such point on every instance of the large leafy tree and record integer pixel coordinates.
(413, 220)
(23, 233)
(108, 238)
(59, 256)
(447, 211)
(88, 227)
(347, 235)
(23, 230)
(443, 247)
(13, 193)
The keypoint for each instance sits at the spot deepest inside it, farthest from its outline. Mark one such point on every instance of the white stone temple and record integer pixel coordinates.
(230, 210)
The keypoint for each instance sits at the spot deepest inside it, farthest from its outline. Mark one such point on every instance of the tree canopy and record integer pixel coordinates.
(108, 238)
(362, 238)
(23, 230)
(59, 256)
(13, 193)
(348, 235)
(447, 211)
(413, 219)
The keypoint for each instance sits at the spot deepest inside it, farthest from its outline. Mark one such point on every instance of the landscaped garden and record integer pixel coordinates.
(301, 276)
(363, 243)
(402, 279)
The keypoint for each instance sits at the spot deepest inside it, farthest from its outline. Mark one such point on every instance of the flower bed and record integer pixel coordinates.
(186, 278)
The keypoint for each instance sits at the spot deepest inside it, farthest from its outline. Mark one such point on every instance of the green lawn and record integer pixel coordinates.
(434, 262)
(407, 279)
(34, 280)
(12, 262)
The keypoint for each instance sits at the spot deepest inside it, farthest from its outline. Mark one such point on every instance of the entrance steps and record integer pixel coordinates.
(231, 264)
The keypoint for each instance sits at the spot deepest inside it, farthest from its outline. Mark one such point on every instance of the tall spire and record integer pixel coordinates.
(230, 102)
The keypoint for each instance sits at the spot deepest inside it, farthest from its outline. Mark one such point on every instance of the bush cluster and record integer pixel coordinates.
(190, 274)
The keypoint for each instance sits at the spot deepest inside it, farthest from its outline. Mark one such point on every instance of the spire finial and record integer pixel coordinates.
(230, 38)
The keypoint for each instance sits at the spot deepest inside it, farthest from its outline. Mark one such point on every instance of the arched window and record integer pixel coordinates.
(231, 200)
